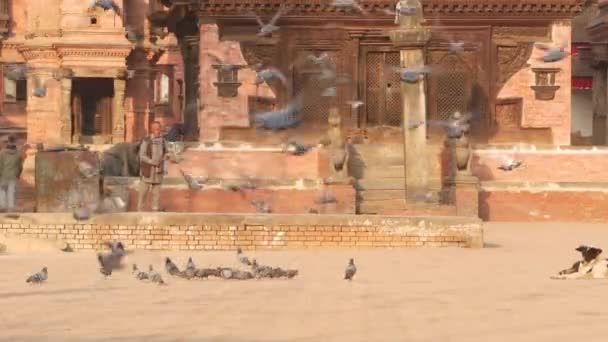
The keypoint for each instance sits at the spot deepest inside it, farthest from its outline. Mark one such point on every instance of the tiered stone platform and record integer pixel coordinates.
(178, 231)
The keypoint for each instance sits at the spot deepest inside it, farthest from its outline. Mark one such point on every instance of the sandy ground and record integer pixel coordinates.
(500, 293)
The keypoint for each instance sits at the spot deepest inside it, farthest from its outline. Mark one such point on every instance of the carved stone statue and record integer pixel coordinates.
(458, 141)
(338, 150)
(408, 14)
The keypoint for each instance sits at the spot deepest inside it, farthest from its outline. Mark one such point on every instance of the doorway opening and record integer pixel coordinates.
(92, 110)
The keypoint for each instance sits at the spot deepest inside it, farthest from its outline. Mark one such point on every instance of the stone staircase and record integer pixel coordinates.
(380, 173)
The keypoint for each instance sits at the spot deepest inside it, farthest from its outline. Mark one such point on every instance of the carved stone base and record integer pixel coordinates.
(464, 194)
(544, 92)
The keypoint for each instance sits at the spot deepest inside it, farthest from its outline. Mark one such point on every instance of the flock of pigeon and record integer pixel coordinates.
(112, 261)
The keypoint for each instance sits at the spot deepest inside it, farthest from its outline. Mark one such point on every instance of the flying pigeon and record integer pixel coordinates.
(242, 258)
(193, 184)
(39, 277)
(16, 72)
(224, 66)
(176, 132)
(269, 74)
(40, 87)
(552, 53)
(261, 207)
(140, 275)
(155, 277)
(171, 268)
(269, 28)
(456, 47)
(411, 75)
(456, 126)
(348, 4)
(406, 8)
(350, 271)
(281, 119)
(106, 5)
(297, 149)
(415, 124)
(355, 104)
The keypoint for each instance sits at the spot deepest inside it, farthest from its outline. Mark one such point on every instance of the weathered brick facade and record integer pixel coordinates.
(226, 232)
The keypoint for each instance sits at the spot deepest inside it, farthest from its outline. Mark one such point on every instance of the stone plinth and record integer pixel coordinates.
(464, 194)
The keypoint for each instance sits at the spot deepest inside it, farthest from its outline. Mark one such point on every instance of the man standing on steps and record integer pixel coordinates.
(152, 155)
(11, 166)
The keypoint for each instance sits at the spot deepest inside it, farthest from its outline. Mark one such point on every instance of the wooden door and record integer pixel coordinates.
(382, 89)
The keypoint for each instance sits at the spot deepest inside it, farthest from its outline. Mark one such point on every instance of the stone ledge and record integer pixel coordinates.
(526, 148)
(544, 186)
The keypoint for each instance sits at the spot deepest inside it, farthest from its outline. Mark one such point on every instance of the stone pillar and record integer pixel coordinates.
(600, 104)
(190, 53)
(118, 109)
(411, 37)
(65, 114)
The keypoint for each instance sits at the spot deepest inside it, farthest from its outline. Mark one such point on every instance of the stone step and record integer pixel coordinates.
(379, 195)
(384, 154)
(380, 184)
(384, 171)
(379, 207)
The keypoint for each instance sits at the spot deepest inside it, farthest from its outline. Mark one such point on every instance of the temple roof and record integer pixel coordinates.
(556, 8)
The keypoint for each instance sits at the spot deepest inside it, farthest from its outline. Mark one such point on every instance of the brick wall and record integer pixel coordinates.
(521, 204)
(543, 164)
(160, 231)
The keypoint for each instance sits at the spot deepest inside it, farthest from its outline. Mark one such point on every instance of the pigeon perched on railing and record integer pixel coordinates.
(38, 277)
(509, 164)
(297, 149)
(350, 271)
(261, 207)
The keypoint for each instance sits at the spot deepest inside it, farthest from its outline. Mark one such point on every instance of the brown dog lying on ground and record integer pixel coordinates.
(591, 267)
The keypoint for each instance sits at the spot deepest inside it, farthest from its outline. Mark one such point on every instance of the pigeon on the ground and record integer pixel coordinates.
(242, 258)
(155, 276)
(208, 272)
(38, 277)
(241, 275)
(139, 274)
(105, 263)
(190, 271)
(171, 268)
(260, 271)
(111, 261)
(350, 271)
(226, 273)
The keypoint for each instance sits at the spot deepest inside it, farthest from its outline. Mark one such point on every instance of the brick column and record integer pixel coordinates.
(464, 194)
(190, 53)
(600, 104)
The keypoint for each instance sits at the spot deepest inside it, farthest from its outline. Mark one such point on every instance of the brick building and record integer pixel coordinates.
(106, 73)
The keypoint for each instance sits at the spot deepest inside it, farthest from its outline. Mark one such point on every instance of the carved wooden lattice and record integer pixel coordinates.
(306, 82)
(383, 86)
(451, 83)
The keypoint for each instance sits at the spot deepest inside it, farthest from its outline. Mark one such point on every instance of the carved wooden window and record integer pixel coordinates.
(383, 89)
(14, 90)
(306, 82)
(450, 84)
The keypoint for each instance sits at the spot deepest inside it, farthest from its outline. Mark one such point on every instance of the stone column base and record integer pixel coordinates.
(464, 194)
